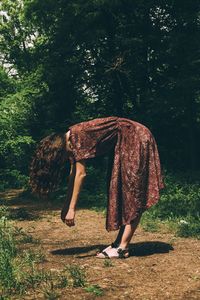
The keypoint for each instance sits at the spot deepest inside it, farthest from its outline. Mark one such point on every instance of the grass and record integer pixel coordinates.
(189, 228)
(20, 271)
(107, 263)
(149, 223)
(50, 293)
(181, 227)
(77, 275)
(176, 212)
(25, 238)
(95, 289)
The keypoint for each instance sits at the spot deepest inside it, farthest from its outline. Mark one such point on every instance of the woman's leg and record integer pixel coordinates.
(122, 241)
(128, 232)
(119, 237)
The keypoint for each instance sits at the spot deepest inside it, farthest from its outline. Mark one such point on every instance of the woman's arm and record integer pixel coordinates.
(76, 180)
(70, 186)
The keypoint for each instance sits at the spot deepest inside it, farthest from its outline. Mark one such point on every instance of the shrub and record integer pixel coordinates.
(189, 227)
(181, 197)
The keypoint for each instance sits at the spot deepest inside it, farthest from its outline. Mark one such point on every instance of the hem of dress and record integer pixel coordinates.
(127, 222)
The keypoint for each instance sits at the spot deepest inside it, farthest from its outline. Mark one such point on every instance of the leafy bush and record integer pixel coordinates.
(12, 178)
(15, 141)
(181, 197)
(189, 227)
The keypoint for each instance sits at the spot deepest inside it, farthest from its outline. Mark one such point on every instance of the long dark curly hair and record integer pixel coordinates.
(48, 165)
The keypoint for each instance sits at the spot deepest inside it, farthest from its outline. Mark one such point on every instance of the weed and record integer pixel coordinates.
(107, 263)
(49, 290)
(50, 294)
(24, 237)
(4, 211)
(149, 223)
(62, 281)
(77, 276)
(19, 271)
(188, 227)
(95, 289)
(28, 239)
(34, 256)
(4, 297)
(7, 253)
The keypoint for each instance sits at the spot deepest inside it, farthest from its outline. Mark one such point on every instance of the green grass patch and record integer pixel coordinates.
(107, 263)
(77, 275)
(21, 270)
(95, 289)
(189, 227)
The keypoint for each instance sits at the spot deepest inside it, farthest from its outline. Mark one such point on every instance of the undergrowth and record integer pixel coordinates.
(22, 271)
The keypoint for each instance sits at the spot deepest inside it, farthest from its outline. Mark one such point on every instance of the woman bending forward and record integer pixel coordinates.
(134, 179)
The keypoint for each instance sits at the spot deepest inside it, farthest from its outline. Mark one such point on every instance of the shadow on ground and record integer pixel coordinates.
(136, 249)
(150, 248)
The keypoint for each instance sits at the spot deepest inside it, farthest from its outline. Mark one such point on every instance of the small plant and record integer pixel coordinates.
(28, 239)
(4, 212)
(62, 281)
(49, 291)
(150, 225)
(189, 227)
(19, 271)
(24, 238)
(95, 289)
(77, 275)
(4, 297)
(8, 252)
(34, 256)
(107, 263)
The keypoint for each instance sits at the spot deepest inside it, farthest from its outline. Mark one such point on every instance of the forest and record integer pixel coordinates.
(63, 62)
(67, 61)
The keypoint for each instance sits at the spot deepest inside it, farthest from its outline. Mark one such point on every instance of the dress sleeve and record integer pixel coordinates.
(93, 138)
(83, 143)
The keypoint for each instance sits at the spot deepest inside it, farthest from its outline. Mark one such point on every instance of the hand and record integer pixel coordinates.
(69, 218)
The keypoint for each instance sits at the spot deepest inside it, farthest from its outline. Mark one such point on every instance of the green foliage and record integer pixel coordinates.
(94, 192)
(77, 275)
(4, 211)
(50, 293)
(7, 84)
(12, 178)
(95, 289)
(189, 227)
(65, 62)
(18, 114)
(18, 271)
(150, 223)
(181, 197)
(15, 143)
(107, 263)
(178, 208)
(7, 254)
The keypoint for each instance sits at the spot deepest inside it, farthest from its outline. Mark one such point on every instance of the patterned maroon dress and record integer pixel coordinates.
(135, 177)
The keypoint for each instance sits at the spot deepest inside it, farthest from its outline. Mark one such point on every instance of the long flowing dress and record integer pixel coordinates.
(135, 177)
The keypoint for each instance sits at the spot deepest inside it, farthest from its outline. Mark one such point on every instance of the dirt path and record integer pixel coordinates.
(161, 266)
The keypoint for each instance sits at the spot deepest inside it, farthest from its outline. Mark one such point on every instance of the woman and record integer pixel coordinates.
(134, 180)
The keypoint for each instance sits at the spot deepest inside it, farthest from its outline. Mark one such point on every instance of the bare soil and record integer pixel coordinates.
(161, 266)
